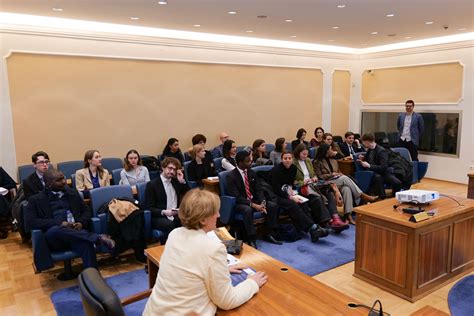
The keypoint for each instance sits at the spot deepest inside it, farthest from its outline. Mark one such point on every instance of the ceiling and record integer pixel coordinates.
(312, 20)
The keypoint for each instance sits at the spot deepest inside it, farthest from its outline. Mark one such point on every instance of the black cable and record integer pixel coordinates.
(459, 204)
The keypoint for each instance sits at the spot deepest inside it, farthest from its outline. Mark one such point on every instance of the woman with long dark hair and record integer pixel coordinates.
(229, 151)
(172, 150)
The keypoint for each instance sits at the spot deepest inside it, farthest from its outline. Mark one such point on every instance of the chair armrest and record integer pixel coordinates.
(414, 169)
(227, 209)
(135, 297)
(192, 184)
(422, 169)
(95, 225)
(147, 218)
(42, 259)
(364, 179)
(103, 223)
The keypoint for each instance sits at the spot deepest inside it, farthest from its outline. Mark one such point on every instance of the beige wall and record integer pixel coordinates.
(68, 104)
(341, 94)
(435, 83)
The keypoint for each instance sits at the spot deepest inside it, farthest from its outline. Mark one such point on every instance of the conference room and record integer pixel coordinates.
(324, 147)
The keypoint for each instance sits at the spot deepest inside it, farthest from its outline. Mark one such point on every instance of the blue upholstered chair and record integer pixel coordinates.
(26, 170)
(240, 148)
(70, 167)
(153, 234)
(112, 163)
(102, 195)
(153, 174)
(419, 167)
(288, 147)
(338, 139)
(191, 184)
(312, 152)
(218, 164)
(73, 180)
(116, 176)
(269, 148)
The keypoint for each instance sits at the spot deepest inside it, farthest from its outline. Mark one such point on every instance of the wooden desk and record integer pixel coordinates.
(413, 259)
(212, 186)
(286, 293)
(346, 167)
(470, 186)
(429, 311)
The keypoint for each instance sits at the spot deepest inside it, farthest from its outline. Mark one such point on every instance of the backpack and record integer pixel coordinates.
(151, 163)
(400, 166)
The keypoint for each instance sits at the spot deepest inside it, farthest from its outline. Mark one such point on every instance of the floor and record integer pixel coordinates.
(22, 292)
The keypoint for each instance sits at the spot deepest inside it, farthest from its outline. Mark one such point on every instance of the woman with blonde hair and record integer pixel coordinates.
(93, 175)
(194, 276)
(199, 168)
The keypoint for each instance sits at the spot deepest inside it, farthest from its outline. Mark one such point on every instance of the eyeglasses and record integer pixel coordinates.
(42, 162)
(171, 168)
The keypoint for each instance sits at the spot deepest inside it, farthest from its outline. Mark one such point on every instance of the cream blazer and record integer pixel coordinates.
(84, 182)
(194, 277)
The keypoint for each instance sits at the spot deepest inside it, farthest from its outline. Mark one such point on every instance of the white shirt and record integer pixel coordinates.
(171, 197)
(133, 177)
(194, 277)
(226, 165)
(406, 128)
(304, 168)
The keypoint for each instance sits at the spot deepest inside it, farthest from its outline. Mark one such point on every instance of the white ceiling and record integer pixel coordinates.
(312, 19)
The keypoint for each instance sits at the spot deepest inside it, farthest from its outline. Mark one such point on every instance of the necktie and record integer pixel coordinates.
(247, 186)
(352, 150)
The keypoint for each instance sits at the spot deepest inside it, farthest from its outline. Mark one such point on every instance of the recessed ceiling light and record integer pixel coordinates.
(134, 18)
(261, 16)
(232, 12)
(391, 35)
(57, 9)
(335, 27)
(390, 15)
(289, 20)
(249, 31)
(197, 25)
(330, 40)
(429, 22)
(293, 36)
(374, 33)
(462, 29)
(407, 37)
(162, 2)
(341, 6)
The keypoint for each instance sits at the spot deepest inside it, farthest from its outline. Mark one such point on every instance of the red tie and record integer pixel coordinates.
(247, 186)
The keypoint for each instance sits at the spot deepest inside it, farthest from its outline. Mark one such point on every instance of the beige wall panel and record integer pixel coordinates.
(341, 93)
(435, 83)
(68, 104)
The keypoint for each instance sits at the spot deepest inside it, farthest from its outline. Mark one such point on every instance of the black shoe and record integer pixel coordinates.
(253, 243)
(272, 239)
(140, 256)
(318, 233)
(107, 241)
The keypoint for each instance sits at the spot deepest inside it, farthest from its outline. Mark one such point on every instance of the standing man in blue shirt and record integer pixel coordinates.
(410, 127)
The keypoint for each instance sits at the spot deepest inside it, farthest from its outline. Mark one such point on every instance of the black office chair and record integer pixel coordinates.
(98, 297)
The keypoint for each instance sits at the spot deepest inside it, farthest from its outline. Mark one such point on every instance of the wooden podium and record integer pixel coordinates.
(413, 259)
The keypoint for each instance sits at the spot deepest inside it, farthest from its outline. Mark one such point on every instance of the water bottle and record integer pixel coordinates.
(70, 217)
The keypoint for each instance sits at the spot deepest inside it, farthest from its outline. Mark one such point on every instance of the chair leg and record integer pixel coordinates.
(68, 273)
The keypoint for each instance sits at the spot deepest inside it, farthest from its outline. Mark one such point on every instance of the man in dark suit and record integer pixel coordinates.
(62, 215)
(35, 183)
(163, 196)
(350, 146)
(377, 160)
(410, 127)
(242, 183)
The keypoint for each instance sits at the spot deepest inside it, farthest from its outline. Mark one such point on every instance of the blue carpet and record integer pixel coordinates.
(313, 258)
(68, 301)
(461, 297)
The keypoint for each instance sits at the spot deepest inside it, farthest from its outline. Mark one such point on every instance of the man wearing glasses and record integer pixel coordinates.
(35, 183)
(410, 127)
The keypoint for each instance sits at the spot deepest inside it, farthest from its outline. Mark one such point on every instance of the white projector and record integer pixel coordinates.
(416, 196)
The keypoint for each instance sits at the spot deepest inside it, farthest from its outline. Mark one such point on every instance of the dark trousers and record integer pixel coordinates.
(165, 225)
(378, 182)
(412, 148)
(60, 238)
(300, 214)
(271, 219)
(318, 210)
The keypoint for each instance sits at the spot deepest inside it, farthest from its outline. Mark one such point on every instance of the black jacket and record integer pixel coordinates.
(32, 185)
(378, 159)
(38, 212)
(155, 195)
(345, 149)
(236, 187)
(198, 172)
(282, 176)
(296, 142)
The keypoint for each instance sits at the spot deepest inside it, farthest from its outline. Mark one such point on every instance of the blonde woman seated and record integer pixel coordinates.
(194, 276)
(133, 171)
(327, 168)
(93, 175)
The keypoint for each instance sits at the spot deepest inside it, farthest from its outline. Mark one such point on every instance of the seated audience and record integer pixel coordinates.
(275, 155)
(218, 150)
(242, 183)
(327, 168)
(93, 175)
(163, 196)
(300, 136)
(200, 168)
(259, 153)
(283, 178)
(318, 137)
(62, 215)
(200, 139)
(229, 150)
(194, 277)
(335, 151)
(350, 146)
(377, 160)
(133, 172)
(321, 197)
(172, 150)
(34, 183)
